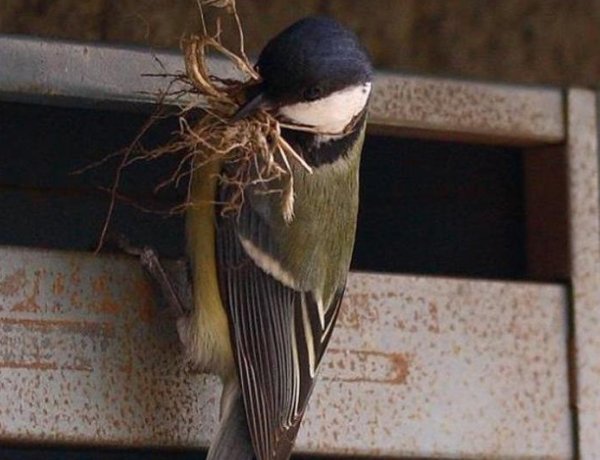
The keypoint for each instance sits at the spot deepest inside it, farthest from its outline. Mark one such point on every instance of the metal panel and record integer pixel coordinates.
(83, 74)
(462, 110)
(62, 72)
(418, 366)
(584, 195)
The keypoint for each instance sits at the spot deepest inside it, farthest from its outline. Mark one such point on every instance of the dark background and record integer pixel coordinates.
(533, 41)
(426, 207)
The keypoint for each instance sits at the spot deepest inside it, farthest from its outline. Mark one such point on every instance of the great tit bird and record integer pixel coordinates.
(267, 292)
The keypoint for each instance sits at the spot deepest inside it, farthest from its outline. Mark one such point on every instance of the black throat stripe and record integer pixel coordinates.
(318, 154)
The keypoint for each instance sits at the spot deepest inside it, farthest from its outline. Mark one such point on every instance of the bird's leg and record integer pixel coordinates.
(172, 282)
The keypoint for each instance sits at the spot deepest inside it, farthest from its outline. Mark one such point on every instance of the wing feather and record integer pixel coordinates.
(279, 336)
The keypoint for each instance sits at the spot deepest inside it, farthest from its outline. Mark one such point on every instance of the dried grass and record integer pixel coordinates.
(253, 147)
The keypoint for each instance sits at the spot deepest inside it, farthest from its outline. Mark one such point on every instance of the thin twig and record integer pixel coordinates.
(147, 125)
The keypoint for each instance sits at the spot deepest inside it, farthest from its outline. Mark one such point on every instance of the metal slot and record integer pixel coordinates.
(429, 207)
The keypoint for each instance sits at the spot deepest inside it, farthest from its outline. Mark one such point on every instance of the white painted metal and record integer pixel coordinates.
(75, 73)
(417, 366)
(584, 196)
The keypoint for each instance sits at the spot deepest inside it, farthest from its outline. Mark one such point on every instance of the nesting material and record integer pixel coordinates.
(254, 144)
(253, 148)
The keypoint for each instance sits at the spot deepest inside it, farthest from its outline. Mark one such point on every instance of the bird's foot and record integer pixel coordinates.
(171, 282)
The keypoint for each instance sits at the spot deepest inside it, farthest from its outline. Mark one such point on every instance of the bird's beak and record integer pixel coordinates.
(256, 102)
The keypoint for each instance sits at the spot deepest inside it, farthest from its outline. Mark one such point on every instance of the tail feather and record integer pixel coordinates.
(232, 441)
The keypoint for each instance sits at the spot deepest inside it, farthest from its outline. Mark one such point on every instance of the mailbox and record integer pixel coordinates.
(470, 323)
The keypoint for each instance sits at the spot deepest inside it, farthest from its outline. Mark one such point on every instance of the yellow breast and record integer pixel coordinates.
(210, 346)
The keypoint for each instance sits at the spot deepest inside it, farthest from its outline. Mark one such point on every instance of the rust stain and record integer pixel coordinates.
(75, 278)
(358, 309)
(434, 326)
(100, 284)
(349, 318)
(102, 291)
(400, 324)
(45, 325)
(108, 305)
(38, 366)
(29, 304)
(12, 284)
(145, 301)
(358, 300)
(398, 363)
(58, 287)
(401, 367)
(41, 366)
(75, 300)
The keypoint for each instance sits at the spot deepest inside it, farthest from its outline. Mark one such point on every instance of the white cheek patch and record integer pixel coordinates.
(331, 114)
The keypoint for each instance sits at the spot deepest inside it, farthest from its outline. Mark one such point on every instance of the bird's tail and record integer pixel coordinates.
(232, 441)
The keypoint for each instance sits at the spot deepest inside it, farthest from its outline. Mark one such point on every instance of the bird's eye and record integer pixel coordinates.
(312, 93)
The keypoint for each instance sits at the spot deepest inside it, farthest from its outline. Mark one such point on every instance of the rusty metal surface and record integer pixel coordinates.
(584, 196)
(84, 359)
(62, 72)
(481, 111)
(417, 366)
(445, 367)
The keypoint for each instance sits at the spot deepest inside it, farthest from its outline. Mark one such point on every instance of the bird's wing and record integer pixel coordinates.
(279, 335)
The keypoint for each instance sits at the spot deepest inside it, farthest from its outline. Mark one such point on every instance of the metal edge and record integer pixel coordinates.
(71, 73)
(584, 201)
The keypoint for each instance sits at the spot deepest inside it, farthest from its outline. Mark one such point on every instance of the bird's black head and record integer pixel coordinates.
(314, 73)
(311, 59)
